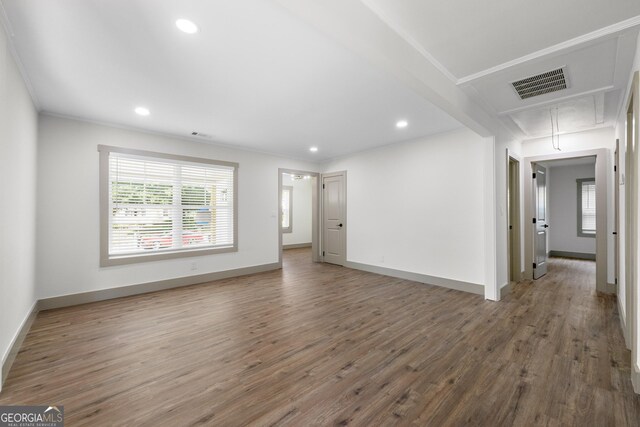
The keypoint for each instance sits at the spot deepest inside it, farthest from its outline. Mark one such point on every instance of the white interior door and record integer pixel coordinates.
(540, 219)
(334, 218)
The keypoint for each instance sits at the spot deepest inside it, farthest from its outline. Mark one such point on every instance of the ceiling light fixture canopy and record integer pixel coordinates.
(401, 124)
(313, 149)
(186, 26)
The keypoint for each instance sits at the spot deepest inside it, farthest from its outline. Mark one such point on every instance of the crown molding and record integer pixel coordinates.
(585, 38)
(173, 136)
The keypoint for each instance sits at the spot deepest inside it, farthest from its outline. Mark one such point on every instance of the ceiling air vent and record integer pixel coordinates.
(551, 81)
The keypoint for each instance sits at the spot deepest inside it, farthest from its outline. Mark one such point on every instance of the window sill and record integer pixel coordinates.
(107, 261)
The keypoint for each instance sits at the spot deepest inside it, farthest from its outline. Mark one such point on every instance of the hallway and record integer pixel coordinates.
(571, 345)
(315, 344)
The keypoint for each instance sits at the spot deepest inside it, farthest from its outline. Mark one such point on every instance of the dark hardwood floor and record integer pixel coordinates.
(324, 345)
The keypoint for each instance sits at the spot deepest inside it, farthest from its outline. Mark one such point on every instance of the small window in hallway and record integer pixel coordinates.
(587, 207)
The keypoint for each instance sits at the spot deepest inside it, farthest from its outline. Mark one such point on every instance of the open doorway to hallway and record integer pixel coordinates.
(566, 195)
(569, 225)
(571, 202)
(298, 216)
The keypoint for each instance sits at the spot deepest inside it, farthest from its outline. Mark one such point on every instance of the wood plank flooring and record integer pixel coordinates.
(324, 345)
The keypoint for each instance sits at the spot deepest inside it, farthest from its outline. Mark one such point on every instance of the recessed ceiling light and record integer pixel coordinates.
(186, 26)
(313, 149)
(402, 124)
(142, 111)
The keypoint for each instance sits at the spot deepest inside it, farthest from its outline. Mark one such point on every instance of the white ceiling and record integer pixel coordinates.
(485, 46)
(468, 37)
(253, 76)
(586, 68)
(578, 114)
(597, 73)
(282, 75)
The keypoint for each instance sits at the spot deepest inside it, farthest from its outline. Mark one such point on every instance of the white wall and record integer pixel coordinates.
(579, 141)
(621, 135)
(302, 193)
(636, 286)
(68, 211)
(625, 312)
(563, 205)
(418, 206)
(18, 142)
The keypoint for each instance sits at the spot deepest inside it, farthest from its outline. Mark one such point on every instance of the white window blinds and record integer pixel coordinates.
(165, 205)
(588, 208)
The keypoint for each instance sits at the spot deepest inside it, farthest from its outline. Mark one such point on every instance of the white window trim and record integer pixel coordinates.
(105, 259)
(581, 181)
(289, 229)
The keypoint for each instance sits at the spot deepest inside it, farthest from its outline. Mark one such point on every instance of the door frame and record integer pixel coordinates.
(632, 233)
(315, 212)
(602, 195)
(514, 242)
(344, 211)
(616, 216)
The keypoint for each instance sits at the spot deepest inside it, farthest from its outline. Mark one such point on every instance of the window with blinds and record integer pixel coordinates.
(586, 207)
(161, 206)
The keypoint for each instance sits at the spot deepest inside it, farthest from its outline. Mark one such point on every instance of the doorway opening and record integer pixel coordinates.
(569, 199)
(298, 203)
(566, 198)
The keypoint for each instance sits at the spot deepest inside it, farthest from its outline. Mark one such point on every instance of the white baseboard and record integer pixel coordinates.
(575, 255)
(143, 288)
(417, 277)
(623, 325)
(297, 245)
(10, 356)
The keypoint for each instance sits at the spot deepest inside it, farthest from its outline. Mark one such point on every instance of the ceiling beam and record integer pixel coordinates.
(360, 29)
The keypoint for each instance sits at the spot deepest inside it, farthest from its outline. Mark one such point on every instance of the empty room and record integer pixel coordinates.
(306, 212)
